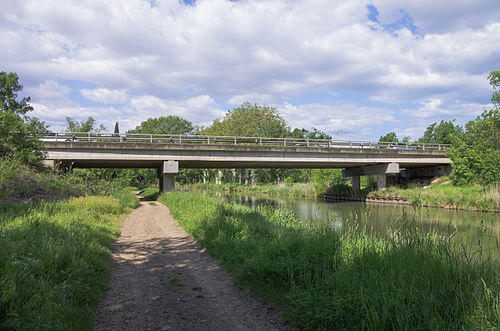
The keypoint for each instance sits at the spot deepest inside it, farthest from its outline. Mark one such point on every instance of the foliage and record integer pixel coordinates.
(326, 280)
(55, 261)
(165, 125)
(16, 128)
(476, 152)
(89, 125)
(494, 79)
(312, 134)
(441, 133)
(150, 193)
(392, 137)
(473, 197)
(250, 121)
(117, 128)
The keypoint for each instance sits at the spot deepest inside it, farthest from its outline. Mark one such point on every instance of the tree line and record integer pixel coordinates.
(474, 146)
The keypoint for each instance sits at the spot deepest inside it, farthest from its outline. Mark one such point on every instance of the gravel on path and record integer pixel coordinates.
(163, 280)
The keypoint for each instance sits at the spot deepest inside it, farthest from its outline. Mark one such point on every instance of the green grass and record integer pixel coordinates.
(294, 189)
(326, 280)
(55, 260)
(449, 196)
(150, 193)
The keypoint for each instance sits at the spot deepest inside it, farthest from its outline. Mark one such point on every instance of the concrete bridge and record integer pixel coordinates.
(168, 153)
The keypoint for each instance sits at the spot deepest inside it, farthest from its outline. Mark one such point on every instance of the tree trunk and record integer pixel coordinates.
(219, 177)
(206, 176)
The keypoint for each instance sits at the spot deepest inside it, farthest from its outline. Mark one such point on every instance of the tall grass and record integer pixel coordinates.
(326, 280)
(55, 260)
(293, 189)
(450, 196)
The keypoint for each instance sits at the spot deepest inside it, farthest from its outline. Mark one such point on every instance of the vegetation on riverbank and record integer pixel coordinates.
(328, 280)
(294, 189)
(55, 260)
(471, 197)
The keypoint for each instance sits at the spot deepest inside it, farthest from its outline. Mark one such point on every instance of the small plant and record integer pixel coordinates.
(175, 282)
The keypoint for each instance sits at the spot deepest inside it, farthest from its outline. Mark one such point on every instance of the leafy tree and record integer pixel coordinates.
(476, 152)
(117, 128)
(165, 125)
(17, 129)
(391, 137)
(494, 78)
(89, 125)
(251, 121)
(441, 133)
(306, 134)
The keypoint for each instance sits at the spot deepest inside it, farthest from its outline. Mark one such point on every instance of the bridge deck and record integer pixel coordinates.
(118, 154)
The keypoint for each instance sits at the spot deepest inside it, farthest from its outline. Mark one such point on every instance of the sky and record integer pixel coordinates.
(355, 69)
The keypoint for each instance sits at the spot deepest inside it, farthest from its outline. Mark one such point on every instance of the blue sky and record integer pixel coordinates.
(355, 69)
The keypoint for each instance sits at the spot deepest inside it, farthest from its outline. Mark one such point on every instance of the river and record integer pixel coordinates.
(476, 232)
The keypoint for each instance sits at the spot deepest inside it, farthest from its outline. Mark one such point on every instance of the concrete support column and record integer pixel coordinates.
(167, 182)
(167, 175)
(356, 183)
(381, 181)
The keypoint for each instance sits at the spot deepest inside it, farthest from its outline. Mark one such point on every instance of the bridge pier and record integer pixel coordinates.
(167, 176)
(381, 170)
(356, 183)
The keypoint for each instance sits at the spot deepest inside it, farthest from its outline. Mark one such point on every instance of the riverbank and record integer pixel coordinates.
(55, 259)
(446, 195)
(441, 195)
(327, 280)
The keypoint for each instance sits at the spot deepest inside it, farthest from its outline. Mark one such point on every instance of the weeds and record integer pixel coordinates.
(55, 260)
(327, 280)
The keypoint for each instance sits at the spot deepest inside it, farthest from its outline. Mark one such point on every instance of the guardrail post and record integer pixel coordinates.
(235, 140)
(350, 144)
(88, 137)
(180, 139)
(329, 143)
(307, 142)
(208, 140)
(423, 147)
(57, 135)
(261, 141)
(151, 138)
(284, 141)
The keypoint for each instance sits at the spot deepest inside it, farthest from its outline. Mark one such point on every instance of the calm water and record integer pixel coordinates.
(473, 230)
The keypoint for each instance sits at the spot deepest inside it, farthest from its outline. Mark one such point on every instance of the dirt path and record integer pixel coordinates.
(162, 280)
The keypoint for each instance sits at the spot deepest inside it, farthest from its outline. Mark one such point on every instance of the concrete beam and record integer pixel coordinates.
(170, 167)
(378, 169)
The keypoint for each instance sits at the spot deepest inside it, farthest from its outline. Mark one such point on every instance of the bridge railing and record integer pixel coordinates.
(234, 140)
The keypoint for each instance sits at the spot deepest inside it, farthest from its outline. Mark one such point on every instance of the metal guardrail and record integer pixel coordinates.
(230, 140)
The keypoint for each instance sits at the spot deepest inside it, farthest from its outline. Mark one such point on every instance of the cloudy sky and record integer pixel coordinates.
(355, 69)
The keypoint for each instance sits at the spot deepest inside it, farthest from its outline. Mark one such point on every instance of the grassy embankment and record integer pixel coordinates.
(55, 256)
(449, 196)
(326, 280)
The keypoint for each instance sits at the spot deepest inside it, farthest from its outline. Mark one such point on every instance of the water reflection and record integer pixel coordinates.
(474, 231)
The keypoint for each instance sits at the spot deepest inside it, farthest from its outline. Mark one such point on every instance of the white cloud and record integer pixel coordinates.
(181, 59)
(106, 96)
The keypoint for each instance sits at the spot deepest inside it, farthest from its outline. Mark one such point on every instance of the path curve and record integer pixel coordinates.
(163, 280)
